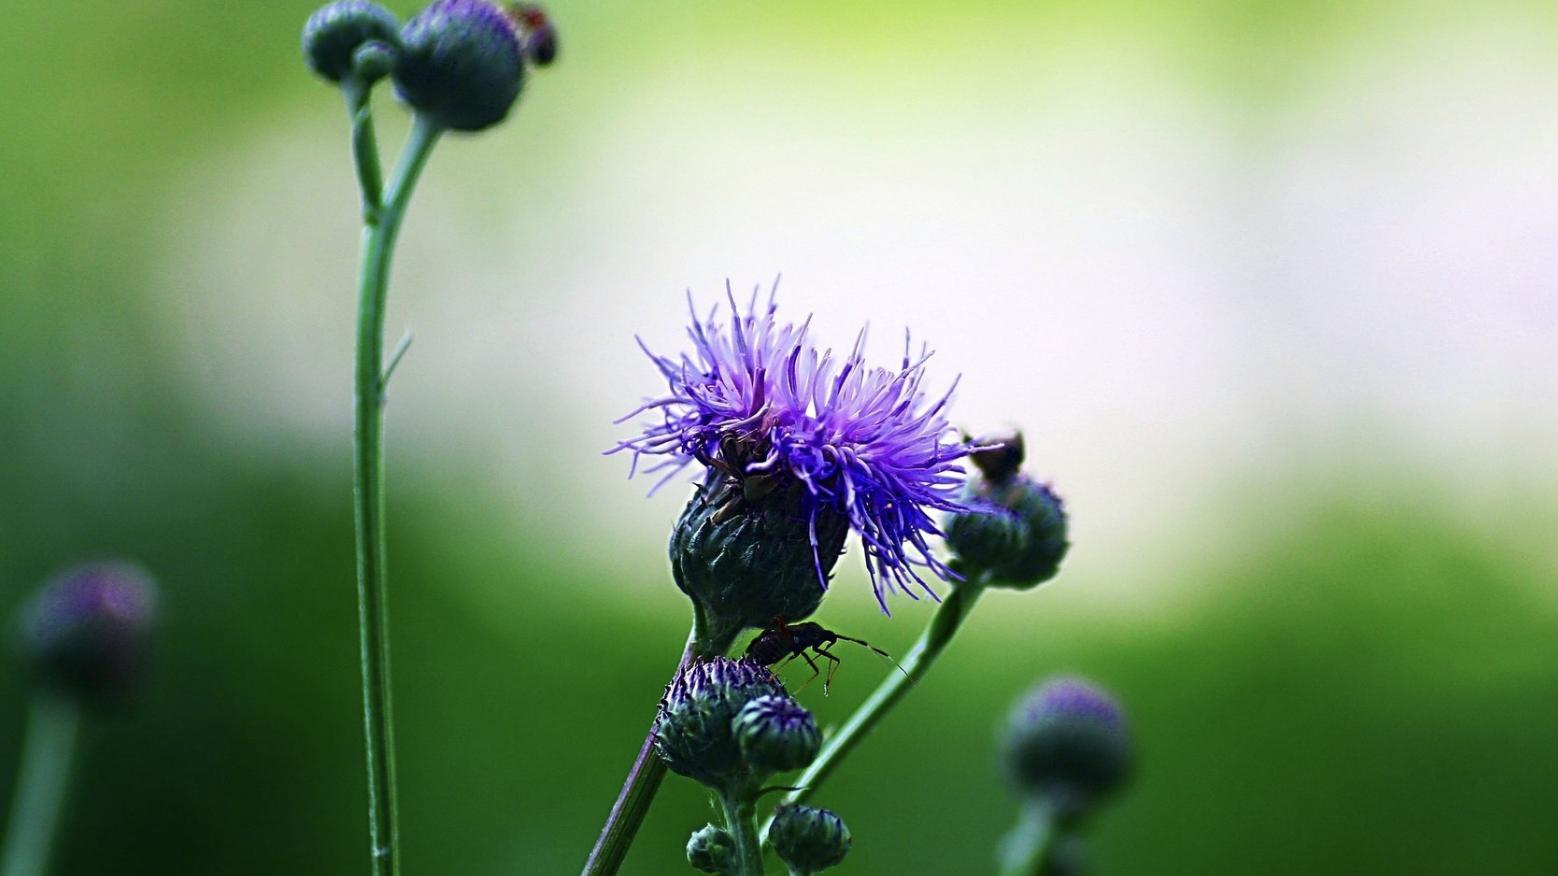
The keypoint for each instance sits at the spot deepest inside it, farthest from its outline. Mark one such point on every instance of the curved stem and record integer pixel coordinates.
(743, 828)
(943, 625)
(1025, 850)
(40, 786)
(648, 770)
(365, 146)
(380, 229)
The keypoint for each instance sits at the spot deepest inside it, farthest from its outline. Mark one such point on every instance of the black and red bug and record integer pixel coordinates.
(782, 642)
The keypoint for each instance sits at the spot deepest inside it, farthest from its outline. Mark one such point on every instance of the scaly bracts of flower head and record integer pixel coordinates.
(759, 406)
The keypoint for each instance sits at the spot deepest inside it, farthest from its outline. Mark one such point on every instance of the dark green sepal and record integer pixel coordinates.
(808, 839)
(747, 561)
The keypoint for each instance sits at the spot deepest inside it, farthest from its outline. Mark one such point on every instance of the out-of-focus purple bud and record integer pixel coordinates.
(85, 633)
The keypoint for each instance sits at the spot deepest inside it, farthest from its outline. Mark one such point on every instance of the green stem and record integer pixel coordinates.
(742, 826)
(40, 786)
(365, 146)
(943, 625)
(380, 229)
(1026, 849)
(648, 770)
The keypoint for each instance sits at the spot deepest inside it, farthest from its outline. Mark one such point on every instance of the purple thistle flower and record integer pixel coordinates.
(757, 404)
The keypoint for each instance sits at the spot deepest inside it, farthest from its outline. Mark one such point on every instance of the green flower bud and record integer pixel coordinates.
(746, 557)
(461, 65)
(711, 849)
(1016, 532)
(776, 734)
(373, 61)
(1067, 743)
(694, 731)
(336, 31)
(808, 839)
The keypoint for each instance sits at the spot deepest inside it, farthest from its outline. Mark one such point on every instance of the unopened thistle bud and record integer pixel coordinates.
(807, 839)
(1015, 536)
(461, 65)
(1067, 744)
(373, 61)
(711, 849)
(335, 32)
(776, 734)
(747, 557)
(85, 632)
(694, 732)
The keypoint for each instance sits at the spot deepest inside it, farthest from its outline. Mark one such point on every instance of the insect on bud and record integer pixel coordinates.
(746, 556)
(694, 732)
(540, 36)
(1001, 457)
(461, 66)
(541, 45)
(1015, 534)
(85, 632)
(807, 839)
(711, 849)
(776, 734)
(1066, 743)
(335, 32)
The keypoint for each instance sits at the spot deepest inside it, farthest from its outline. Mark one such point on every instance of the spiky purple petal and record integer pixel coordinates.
(756, 396)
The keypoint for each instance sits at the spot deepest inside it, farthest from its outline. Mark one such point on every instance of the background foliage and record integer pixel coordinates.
(1271, 285)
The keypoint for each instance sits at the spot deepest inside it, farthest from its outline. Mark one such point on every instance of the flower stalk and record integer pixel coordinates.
(382, 217)
(943, 625)
(648, 771)
(1026, 849)
(42, 779)
(740, 821)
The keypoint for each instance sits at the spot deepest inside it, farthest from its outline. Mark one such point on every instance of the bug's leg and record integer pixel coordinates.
(833, 667)
(814, 673)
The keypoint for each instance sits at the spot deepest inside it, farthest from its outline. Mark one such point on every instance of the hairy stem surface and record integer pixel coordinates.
(741, 824)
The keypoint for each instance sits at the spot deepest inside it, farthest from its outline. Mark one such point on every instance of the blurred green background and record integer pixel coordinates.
(1272, 287)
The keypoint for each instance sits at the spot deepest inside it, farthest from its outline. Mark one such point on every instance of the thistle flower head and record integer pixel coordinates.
(770, 416)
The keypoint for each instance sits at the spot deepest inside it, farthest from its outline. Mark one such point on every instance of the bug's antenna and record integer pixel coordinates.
(879, 651)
